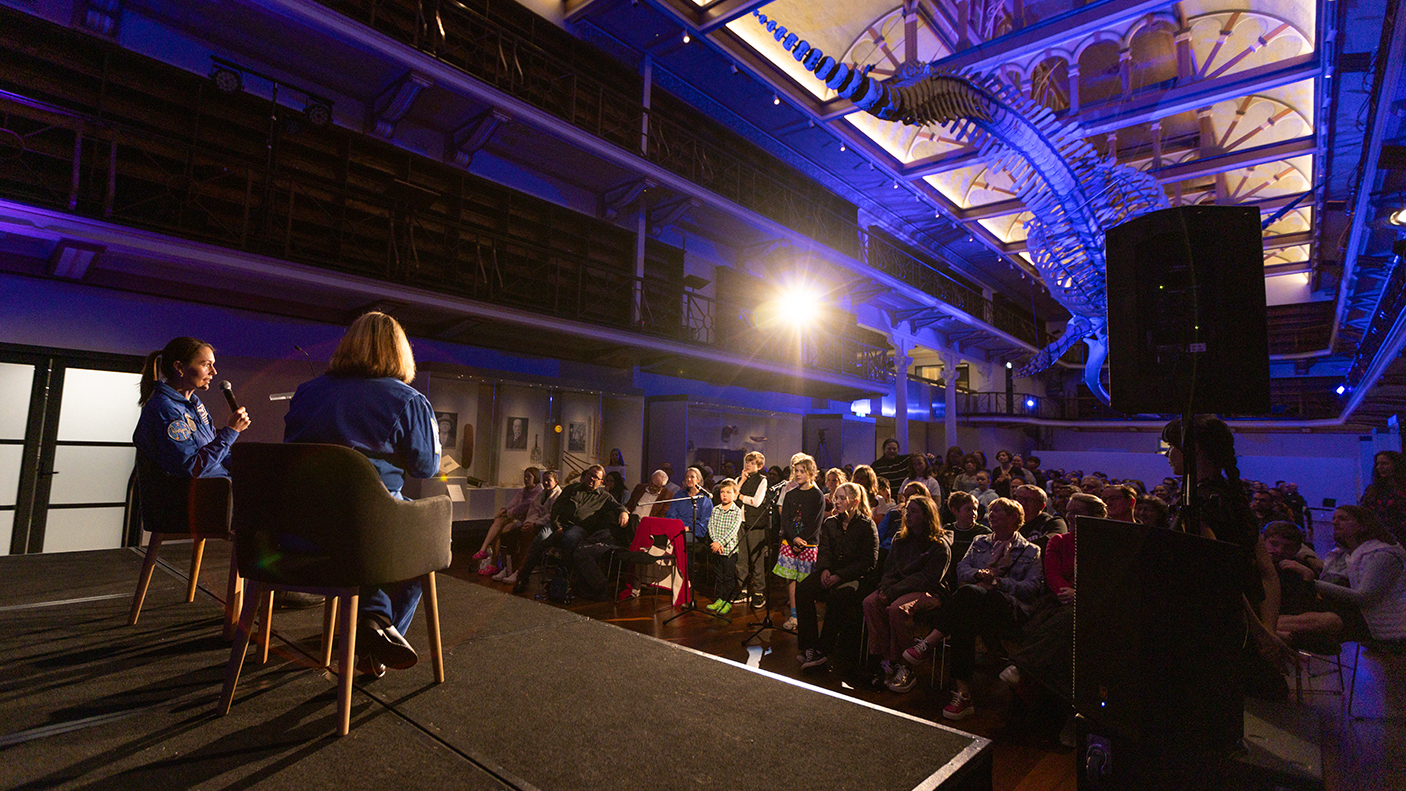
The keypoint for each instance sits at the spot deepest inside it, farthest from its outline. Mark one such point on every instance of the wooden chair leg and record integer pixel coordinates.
(234, 596)
(197, 553)
(144, 580)
(243, 631)
(265, 628)
(329, 628)
(431, 595)
(346, 666)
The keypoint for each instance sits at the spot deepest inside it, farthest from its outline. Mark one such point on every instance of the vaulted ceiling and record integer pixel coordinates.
(1292, 106)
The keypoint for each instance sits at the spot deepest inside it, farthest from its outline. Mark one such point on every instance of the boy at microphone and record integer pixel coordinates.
(723, 527)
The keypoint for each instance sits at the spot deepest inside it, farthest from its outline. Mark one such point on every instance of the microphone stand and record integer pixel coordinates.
(773, 517)
(692, 604)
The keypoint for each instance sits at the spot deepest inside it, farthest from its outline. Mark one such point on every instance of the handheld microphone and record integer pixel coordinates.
(228, 390)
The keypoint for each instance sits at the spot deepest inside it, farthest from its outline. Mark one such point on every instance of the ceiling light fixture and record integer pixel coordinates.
(1397, 217)
(842, 148)
(775, 99)
(686, 37)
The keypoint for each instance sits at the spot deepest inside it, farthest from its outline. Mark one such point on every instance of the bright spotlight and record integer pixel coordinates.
(775, 99)
(1341, 389)
(1008, 365)
(686, 38)
(1397, 217)
(799, 303)
(1029, 403)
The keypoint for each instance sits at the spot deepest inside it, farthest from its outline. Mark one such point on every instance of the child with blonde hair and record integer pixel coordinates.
(801, 514)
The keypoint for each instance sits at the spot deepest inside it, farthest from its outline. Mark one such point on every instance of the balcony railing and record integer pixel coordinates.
(522, 61)
(211, 186)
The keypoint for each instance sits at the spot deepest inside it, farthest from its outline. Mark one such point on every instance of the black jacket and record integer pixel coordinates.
(593, 509)
(914, 564)
(847, 552)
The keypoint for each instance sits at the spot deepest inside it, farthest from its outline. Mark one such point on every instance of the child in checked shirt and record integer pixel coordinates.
(723, 528)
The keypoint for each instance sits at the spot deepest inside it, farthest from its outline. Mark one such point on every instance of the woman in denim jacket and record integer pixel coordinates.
(998, 581)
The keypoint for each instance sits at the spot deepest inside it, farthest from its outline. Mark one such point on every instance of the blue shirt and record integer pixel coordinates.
(176, 433)
(385, 419)
(683, 509)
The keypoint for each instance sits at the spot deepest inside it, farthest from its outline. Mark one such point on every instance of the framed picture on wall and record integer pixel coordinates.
(576, 437)
(515, 434)
(448, 428)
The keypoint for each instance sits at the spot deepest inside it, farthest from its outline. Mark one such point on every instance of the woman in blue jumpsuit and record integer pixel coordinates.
(365, 402)
(175, 429)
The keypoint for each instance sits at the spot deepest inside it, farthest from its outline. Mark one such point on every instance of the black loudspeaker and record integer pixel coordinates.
(1186, 312)
(1158, 631)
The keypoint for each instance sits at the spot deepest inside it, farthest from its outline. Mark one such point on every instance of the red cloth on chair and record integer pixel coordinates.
(673, 530)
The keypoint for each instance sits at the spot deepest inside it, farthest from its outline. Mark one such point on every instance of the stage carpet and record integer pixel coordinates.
(535, 697)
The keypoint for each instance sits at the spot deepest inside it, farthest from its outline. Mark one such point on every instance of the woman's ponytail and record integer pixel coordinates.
(161, 364)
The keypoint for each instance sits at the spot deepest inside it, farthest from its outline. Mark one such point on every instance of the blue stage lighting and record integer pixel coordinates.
(1030, 403)
(1341, 389)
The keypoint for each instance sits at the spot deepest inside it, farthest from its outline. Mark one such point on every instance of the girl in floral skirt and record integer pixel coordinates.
(802, 511)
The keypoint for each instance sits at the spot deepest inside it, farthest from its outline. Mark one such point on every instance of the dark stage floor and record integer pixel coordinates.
(536, 697)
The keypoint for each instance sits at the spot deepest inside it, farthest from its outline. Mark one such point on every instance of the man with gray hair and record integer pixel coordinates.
(650, 499)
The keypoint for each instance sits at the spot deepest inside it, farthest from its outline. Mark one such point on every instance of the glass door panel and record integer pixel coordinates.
(16, 383)
(78, 529)
(98, 406)
(93, 460)
(91, 474)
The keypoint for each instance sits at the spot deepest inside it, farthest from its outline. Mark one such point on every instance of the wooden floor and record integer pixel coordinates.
(1359, 754)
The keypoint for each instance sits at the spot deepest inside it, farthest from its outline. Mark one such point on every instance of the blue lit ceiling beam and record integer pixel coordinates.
(1386, 85)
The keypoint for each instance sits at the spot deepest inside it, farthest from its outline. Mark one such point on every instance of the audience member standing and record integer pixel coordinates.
(723, 526)
(802, 511)
(891, 466)
(754, 495)
(1225, 515)
(1386, 494)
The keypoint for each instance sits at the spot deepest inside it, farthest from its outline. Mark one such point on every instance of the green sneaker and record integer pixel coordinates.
(724, 608)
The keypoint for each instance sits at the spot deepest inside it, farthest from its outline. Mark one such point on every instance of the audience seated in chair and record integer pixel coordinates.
(651, 498)
(1000, 579)
(1363, 584)
(1046, 652)
(508, 518)
(515, 542)
(1039, 524)
(847, 552)
(582, 509)
(914, 581)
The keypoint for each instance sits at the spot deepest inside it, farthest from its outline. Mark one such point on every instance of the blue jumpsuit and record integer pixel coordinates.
(393, 425)
(176, 433)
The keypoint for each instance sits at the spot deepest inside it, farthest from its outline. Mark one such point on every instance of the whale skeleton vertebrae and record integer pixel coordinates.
(1073, 193)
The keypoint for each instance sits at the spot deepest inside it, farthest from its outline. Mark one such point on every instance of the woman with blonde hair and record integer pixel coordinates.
(848, 551)
(365, 402)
